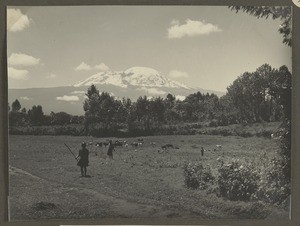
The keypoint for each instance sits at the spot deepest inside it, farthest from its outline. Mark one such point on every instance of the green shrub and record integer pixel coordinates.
(197, 176)
(237, 181)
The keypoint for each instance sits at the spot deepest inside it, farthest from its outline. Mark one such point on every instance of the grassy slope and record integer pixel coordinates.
(144, 180)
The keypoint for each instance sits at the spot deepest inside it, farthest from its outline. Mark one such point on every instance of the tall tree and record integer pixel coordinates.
(36, 115)
(16, 106)
(91, 106)
(157, 109)
(143, 112)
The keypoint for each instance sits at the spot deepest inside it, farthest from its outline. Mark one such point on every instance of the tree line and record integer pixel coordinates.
(35, 116)
(260, 96)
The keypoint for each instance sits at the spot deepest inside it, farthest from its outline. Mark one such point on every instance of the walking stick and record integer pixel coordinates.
(71, 151)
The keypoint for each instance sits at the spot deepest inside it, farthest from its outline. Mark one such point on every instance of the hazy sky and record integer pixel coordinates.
(200, 46)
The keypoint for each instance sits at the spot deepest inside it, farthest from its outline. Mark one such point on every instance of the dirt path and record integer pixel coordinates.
(116, 207)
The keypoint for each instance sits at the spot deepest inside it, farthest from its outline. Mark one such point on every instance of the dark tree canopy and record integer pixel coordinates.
(16, 106)
(36, 115)
(284, 14)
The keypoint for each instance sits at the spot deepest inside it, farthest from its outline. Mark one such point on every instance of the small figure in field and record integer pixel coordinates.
(83, 161)
(202, 151)
(110, 150)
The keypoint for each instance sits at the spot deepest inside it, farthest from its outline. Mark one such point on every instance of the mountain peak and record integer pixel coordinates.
(134, 76)
(146, 71)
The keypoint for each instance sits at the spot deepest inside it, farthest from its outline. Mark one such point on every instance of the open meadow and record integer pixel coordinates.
(143, 181)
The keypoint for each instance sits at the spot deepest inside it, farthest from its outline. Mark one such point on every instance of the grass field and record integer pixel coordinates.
(142, 181)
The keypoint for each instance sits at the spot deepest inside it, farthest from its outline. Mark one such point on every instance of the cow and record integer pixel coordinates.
(118, 143)
(105, 144)
(99, 144)
(153, 144)
(134, 144)
(164, 147)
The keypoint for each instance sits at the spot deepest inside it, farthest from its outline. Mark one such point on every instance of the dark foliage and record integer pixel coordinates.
(237, 181)
(197, 176)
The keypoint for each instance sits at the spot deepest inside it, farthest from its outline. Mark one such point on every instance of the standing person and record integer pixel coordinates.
(110, 150)
(83, 159)
(202, 151)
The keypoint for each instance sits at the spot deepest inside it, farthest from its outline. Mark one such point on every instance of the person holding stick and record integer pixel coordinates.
(83, 161)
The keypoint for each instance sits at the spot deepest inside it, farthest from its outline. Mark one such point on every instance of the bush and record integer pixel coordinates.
(197, 176)
(237, 181)
(273, 187)
(213, 123)
(265, 133)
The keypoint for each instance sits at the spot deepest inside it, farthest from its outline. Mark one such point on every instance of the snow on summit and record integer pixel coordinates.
(107, 77)
(135, 76)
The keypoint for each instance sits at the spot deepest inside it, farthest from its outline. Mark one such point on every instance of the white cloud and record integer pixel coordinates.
(83, 67)
(179, 97)
(102, 67)
(79, 93)
(51, 75)
(20, 59)
(25, 98)
(16, 20)
(191, 28)
(178, 74)
(174, 22)
(68, 98)
(17, 74)
(153, 91)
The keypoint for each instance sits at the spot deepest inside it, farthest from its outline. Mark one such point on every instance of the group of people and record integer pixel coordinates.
(83, 156)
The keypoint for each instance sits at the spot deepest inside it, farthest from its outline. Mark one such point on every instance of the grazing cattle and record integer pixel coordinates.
(141, 140)
(275, 136)
(153, 144)
(118, 143)
(134, 144)
(164, 147)
(219, 146)
(99, 144)
(105, 144)
(126, 145)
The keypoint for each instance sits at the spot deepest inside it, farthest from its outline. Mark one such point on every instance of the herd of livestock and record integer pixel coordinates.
(139, 142)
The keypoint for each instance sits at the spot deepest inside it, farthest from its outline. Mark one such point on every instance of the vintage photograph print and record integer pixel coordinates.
(149, 112)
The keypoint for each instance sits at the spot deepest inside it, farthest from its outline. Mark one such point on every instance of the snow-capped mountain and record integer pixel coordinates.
(131, 83)
(135, 76)
(104, 78)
